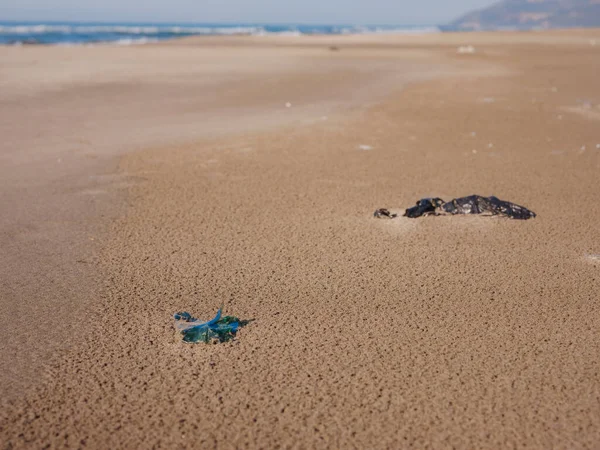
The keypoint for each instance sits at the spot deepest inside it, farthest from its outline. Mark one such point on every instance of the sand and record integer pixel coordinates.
(194, 185)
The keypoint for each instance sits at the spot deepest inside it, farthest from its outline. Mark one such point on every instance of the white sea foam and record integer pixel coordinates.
(123, 29)
(34, 29)
(205, 29)
(133, 41)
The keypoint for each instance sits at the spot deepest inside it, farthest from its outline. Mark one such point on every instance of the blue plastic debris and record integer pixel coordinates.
(219, 328)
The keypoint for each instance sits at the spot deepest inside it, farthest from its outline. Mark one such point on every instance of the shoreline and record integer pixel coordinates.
(66, 33)
(454, 35)
(419, 332)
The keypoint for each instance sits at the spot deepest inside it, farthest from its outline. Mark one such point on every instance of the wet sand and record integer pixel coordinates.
(464, 332)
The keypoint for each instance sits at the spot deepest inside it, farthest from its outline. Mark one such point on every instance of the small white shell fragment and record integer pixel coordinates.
(465, 49)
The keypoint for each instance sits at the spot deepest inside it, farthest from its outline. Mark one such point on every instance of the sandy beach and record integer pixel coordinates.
(244, 171)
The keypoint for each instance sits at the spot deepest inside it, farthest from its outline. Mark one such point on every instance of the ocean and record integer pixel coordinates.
(81, 33)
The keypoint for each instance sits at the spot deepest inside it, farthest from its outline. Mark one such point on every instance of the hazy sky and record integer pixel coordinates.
(289, 11)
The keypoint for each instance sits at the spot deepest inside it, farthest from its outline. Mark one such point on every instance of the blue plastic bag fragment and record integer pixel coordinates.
(219, 328)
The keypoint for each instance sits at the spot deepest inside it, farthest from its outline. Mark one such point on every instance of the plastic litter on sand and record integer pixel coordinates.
(219, 328)
(473, 204)
(384, 213)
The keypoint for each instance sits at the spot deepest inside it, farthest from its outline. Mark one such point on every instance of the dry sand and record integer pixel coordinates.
(200, 187)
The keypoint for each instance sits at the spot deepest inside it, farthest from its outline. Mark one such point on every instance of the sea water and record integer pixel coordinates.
(74, 33)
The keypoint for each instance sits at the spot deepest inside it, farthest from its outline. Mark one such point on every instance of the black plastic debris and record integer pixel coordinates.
(473, 204)
(383, 213)
(425, 207)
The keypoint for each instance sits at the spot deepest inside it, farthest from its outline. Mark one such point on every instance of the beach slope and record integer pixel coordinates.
(440, 332)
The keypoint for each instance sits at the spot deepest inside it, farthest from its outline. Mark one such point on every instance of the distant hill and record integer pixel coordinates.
(529, 14)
